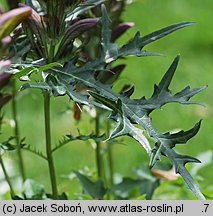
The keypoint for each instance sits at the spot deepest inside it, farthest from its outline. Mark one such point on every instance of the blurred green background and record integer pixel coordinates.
(195, 44)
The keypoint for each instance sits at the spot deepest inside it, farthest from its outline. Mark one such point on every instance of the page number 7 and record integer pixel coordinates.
(206, 207)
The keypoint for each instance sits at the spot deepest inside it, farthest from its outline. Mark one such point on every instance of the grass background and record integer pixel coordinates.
(195, 44)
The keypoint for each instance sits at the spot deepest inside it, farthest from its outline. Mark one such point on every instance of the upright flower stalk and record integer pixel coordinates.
(98, 147)
(51, 166)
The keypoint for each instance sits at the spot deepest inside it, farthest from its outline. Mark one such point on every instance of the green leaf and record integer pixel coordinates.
(171, 140)
(26, 71)
(29, 70)
(49, 66)
(162, 95)
(146, 186)
(94, 189)
(126, 185)
(156, 35)
(179, 161)
(36, 85)
(125, 111)
(124, 127)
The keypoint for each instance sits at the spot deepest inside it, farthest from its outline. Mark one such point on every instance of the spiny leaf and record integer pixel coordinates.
(181, 136)
(35, 151)
(124, 125)
(87, 137)
(156, 35)
(167, 78)
(108, 49)
(134, 112)
(127, 111)
(111, 51)
(162, 95)
(179, 162)
(7, 146)
(69, 138)
(171, 140)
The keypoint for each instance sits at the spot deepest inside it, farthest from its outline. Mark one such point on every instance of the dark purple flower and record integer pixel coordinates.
(34, 20)
(121, 29)
(112, 75)
(76, 30)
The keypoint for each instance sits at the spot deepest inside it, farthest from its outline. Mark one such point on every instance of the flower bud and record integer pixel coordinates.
(112, 75)
(76, 30)
(121, 29)
(10, 20)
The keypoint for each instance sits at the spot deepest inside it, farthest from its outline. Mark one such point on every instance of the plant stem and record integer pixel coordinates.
(16, 132)
(48, 144)
(7, 178)
(98, 146)
(51, 52)
(110, 159)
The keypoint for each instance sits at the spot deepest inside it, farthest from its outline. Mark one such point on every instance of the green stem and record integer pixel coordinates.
(110, 159)
(7, 178)
(48, 144)
(51, 52)
(98, 146)
(16, 132)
